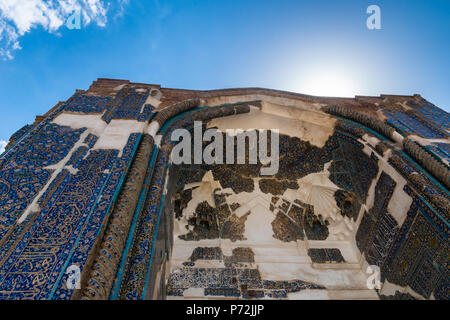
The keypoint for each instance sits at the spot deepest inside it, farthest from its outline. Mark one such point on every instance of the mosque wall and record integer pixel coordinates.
(62, 179)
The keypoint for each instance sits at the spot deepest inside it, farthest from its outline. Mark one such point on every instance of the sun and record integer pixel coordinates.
(321, 77)
(330, 84)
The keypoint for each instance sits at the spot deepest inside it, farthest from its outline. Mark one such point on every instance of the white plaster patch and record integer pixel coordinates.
(71, 169)
(153, 128)
(389, 289)
(317, 190)
(111, 136)
(152, 101)
(297, 103)
(58, 167)
(373, 141)
(158, 140)
(427, 142)
(398, 138)
(309, 294)
(306, 125)
(380, 114)
(120, 87)
(94, 123)
(194, 292)
(258, 227)
(329, 278)
(116, 134)
(400, 201)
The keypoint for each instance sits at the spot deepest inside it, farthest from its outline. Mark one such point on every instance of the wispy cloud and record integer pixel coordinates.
(2, 146)
(121, 5)
(18, 17)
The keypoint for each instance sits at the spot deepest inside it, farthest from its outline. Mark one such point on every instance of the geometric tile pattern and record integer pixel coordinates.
(442, 150)
(147, 113)
(35, 254)
(141, 252)
(419, 257)
(353, 171)
(20, 133)
(237, 280)
(326, 255)
(23, 175)
(432, 113)
(101, 210)
(378, 229)
(128, 104)
(129, 107)
(411, 123)
(33, 271)
(87, 104)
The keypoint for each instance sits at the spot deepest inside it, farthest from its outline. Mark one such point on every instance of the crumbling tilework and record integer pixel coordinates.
(378, 229)
(64, 231)
(129, 107)
(285, 229)
(75, 206)
(23, 172)
(147, 113)
(35, 269)
(128, 104)
(419, 257)
(329, 255)
(100, 213)
(353, 171)
(239, 278)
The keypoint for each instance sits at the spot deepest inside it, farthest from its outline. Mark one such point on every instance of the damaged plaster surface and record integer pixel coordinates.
(300, 244)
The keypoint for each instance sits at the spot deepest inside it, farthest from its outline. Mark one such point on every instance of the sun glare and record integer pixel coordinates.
(331, 84)
(325, 78)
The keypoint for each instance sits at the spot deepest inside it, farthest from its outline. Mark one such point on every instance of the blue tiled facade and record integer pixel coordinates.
(35, 253)
(432, 113)
(37, 249)
(411, 123)
(442, 150)
(23, 174)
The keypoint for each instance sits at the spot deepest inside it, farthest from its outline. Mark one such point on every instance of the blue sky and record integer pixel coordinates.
(316, 47)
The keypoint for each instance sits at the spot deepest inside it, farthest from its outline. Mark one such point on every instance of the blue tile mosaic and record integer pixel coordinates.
(23, 175)
(409, 122)
(73, 210)
(432, 113)
(82, 103)
(441, 150)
